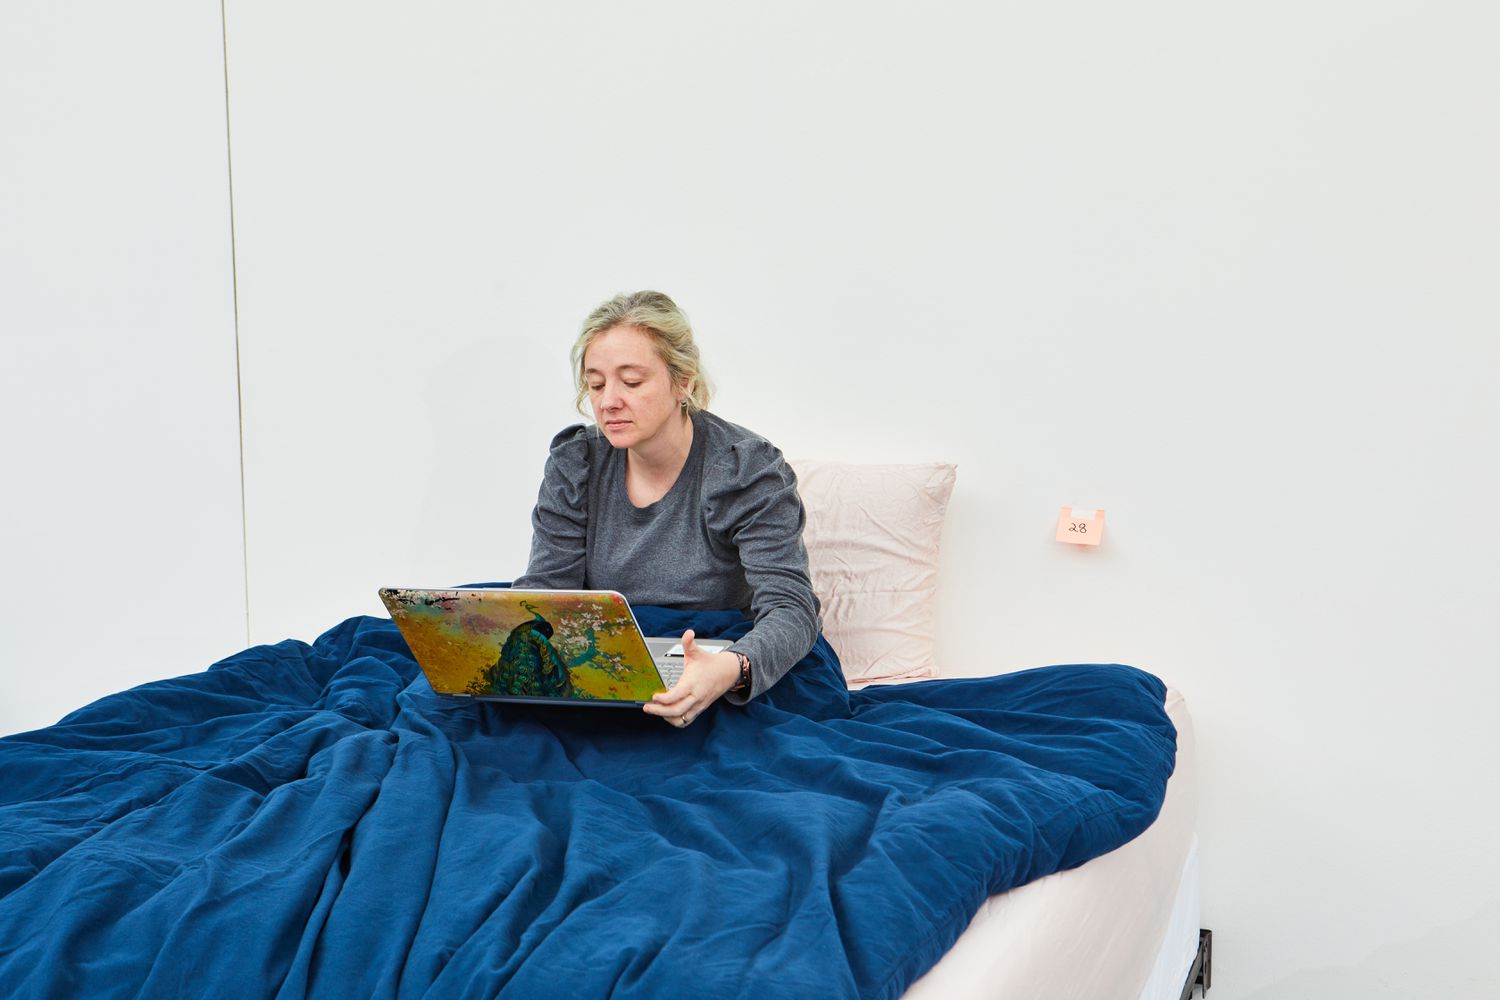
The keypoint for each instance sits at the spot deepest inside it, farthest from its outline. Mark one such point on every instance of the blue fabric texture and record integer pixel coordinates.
(313, 821)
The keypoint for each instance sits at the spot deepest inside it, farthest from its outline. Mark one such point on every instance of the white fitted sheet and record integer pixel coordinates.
(1099, 931)
(1180, 945)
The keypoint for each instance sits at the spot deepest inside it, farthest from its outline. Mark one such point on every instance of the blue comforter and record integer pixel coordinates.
(313, 821)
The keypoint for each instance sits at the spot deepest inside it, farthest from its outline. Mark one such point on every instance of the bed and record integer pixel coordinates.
(1122, 925)
(310, 820)
(1125, 924)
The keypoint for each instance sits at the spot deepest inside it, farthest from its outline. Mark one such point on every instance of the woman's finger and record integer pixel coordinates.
(680, 699)
(672, 695)
(677, 715)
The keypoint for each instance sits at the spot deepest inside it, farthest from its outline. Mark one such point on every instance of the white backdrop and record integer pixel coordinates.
(121, 549)
(1223, 272)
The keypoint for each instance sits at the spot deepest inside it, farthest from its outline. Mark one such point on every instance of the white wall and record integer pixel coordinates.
(121, 556)
(1220, 271)
(1216, 270)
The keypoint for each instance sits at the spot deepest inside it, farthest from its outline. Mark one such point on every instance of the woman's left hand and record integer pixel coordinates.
(705, 678)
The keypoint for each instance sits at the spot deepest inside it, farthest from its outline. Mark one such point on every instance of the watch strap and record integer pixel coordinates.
(744, 681)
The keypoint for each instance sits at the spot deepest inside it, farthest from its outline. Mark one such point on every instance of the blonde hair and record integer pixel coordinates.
(655, 314)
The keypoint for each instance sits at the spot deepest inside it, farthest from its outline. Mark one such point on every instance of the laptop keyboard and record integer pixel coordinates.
(670, 669)
(670, 665)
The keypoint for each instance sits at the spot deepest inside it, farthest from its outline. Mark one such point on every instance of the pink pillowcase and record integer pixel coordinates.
(872, 544)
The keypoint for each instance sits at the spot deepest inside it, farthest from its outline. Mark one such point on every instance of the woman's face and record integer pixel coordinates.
(630, 390)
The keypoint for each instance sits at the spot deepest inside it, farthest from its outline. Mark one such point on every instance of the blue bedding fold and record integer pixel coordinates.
(313, 821)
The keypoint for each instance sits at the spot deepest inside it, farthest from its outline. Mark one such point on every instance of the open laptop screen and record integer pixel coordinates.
(580, 647)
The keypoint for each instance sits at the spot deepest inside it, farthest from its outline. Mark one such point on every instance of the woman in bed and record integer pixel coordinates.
(674, 506)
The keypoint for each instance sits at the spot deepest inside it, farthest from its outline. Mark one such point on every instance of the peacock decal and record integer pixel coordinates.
(528, 665)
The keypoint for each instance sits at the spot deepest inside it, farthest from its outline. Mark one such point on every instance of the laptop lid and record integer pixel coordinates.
(579, 647)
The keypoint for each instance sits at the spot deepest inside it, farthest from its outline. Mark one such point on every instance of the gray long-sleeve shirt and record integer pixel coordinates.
(728, 534)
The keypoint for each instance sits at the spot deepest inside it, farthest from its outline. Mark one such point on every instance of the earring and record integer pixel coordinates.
(684, 404)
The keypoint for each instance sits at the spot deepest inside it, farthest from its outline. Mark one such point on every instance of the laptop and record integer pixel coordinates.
(578, 647)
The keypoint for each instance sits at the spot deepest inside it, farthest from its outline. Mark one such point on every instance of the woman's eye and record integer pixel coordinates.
(631, 385)
(596, 388)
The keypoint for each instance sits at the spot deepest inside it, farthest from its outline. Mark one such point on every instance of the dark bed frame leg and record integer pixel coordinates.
(1202, 972)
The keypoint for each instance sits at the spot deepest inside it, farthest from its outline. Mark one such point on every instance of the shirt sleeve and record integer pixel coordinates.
(559, 522)
(752, 502)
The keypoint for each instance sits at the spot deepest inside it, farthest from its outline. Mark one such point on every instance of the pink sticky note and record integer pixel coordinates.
(1080, 525)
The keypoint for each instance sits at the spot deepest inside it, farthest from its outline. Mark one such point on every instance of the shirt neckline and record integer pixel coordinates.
(694, 451)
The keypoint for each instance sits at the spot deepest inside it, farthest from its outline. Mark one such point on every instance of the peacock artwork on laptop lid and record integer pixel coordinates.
(492, 643)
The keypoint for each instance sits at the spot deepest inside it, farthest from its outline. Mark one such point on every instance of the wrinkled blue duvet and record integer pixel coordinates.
(313, 821)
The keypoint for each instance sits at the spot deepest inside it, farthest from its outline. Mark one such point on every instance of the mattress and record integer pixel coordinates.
(1120, 926)
(1179, 947)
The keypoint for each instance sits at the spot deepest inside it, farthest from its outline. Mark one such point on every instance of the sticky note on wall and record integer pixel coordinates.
(1080, 525)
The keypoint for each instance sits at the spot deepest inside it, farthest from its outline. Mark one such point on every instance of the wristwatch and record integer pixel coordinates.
(744, 681)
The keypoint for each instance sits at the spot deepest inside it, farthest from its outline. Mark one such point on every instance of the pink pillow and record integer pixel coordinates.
(872, 545)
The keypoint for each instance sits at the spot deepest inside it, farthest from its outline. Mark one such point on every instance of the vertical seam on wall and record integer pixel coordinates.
(234, 280)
